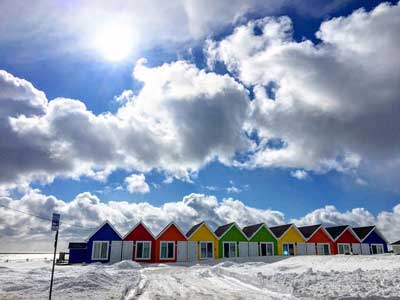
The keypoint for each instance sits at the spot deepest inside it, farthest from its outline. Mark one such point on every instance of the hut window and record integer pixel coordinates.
(266, 249)
(143, 250)
(288, 249)
(376, 248)
(323, 249)
(344, 248)
(229, 249)
(100, 250)
(206, 249)
(167, 250)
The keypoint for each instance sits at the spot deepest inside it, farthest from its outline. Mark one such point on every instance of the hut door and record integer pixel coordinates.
(243, 249)
(356, 248)
(192, 251)
(127, 250)
(253, 249)
(301, 249)
(116, 251)
(182, 251)
(365, 249)
(310, 248)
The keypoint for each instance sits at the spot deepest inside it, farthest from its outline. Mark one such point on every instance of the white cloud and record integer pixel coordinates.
(70, 27)
(86, 211)
(136, 183)
(180, 120)
(299, 174)
(333, 103)
(233, 189)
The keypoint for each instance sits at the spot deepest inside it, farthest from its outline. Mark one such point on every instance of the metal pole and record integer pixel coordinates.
(54, 262)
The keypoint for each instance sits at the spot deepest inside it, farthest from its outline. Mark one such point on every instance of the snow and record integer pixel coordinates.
(302, 277)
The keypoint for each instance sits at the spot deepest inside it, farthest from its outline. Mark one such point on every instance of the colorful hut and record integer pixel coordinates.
(202, 243)
(170, 245)
(232, 241)
(262, 241)
(372, 241)
(103, 245)
(138, 244)
(345, 240)
(288, 237)
(318, 240)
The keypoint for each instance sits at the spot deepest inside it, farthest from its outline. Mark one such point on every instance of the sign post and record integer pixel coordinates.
(55, 225)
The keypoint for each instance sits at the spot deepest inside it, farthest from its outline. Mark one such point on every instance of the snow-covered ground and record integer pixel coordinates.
(303, 277)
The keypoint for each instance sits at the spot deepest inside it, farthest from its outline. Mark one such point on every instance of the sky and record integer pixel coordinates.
(257, 111)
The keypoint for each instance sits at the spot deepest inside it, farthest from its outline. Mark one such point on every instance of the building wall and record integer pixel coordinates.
(140, 233)
(292, 236)
(171, 234)
(105, 233)
(263, 235)
(374, 238)
(77, 256)
(233, 235)
(204, 234)
(321, 237)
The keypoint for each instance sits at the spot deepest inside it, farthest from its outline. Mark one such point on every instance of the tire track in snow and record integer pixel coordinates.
(195, 283)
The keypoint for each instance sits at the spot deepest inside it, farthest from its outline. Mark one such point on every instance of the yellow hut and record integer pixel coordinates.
(203, 243)
(290, 239)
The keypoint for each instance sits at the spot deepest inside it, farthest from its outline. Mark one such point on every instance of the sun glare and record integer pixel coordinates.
(114, 42)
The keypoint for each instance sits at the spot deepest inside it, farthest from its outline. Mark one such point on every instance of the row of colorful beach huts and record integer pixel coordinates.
(227, 241)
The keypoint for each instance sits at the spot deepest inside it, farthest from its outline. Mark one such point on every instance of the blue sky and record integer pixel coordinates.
(355, 168)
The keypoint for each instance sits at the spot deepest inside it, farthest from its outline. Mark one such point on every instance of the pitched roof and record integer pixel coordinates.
(101, 226)
(222, 229)
(396, 243)
(362, 232)
(278, 231)
(335, 231)
(307, 231)
(193, 229)
(249, 231)
(168, 226)
(136, 225)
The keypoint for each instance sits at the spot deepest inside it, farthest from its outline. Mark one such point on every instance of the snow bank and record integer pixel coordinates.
(126, 265)
(323, 277)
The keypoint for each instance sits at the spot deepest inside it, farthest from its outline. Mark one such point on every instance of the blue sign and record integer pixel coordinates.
(55, 222)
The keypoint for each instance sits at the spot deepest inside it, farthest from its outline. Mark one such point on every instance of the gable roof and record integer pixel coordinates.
(308, 231)
(251, 231)
(363, 232)
(197, 227)
(100, 227)
(222, 230)
(336, 231)
(166, 228)
(396, 243)
(278, 231)
(145, 227)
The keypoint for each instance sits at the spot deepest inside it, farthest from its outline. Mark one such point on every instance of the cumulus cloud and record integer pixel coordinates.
(333, 104)
(136, 183)
(86, 211)
(180, 120)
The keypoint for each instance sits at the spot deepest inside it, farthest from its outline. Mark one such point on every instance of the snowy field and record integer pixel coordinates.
(302, 277)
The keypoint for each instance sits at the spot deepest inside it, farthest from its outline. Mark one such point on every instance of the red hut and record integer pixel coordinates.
(318, 240)
(170, 245)
(346, 241)
(140, 241)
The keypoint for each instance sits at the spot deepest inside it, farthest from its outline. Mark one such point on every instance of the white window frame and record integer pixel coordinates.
(143, 258)
(223, 249)
(329, 248)
(378, 245)
(344, 244)
(212, 247)
(173, 250)
(108, 250)
(266, 243)
(294, 248)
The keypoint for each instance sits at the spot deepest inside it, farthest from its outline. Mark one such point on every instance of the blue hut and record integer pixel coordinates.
(103, 245)
(372, 241)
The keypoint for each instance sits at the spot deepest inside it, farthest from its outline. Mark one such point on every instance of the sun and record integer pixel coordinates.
(114, 42)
